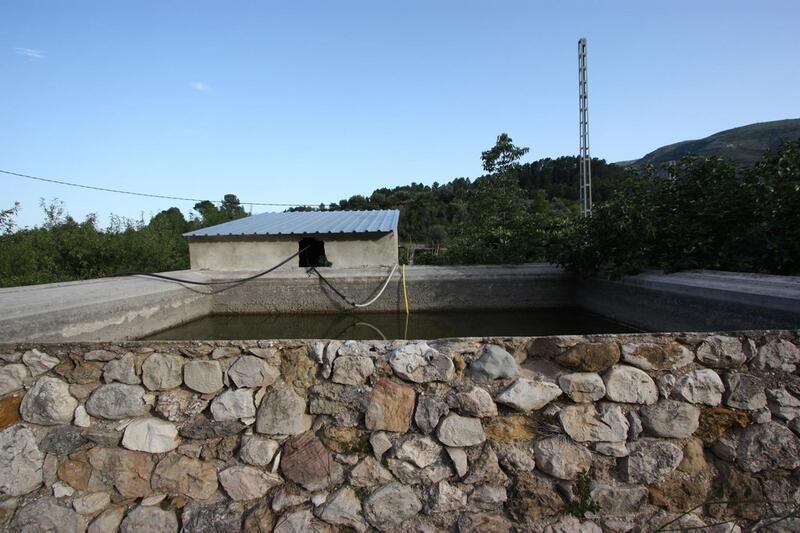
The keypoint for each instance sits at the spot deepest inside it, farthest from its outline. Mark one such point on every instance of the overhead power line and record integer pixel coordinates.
(132, 193)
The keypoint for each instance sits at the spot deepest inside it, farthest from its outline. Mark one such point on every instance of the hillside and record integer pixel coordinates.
(744, 145)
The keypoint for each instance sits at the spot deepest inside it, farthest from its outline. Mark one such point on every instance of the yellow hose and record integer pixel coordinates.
(405, 290)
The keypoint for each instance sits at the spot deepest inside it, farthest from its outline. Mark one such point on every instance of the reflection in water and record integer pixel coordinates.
(423, 325)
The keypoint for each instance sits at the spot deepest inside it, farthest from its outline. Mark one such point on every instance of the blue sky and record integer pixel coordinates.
(309, 102)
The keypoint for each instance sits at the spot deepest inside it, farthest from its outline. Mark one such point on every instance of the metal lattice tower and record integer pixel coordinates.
(585, 158)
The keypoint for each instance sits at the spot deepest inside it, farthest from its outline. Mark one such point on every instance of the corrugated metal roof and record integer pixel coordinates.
(304, 223)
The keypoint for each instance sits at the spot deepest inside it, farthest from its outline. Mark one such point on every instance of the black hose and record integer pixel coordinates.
(236, 282)
(334, 289)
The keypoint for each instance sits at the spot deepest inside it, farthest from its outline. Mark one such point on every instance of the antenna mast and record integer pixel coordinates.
(585, 158)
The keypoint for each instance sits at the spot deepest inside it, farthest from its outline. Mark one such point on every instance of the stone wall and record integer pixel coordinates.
(611, 433)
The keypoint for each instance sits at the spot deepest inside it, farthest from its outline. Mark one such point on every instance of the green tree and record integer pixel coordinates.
(502, 155)
(7, 223)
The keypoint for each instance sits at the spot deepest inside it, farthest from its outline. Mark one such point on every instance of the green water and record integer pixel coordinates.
(427, 325)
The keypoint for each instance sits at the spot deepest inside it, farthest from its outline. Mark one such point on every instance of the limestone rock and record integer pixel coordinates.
(92, 503)
(526, 395)
(701, 386)
(694, 461)
(459, 431)
(636, 428)
(179, 405)
(221, 352)
(116, 401)
(62, 440)
(12, 377)
(431, 408)
(233, 405)
(282, 412)
(307, 462)
(380, 443)
(122, 370)
(444, 497)
(247, 483)
(570, 524)
(590, 356)
(285, 498)
(459, 459)
(48, 403)
(720, 351)
(99, 355)
(299, 522)
(650, 461)
(352, 370)
(515, 456)
(45, 515)
(343, 508)
(612, 449)
(107, 521)
(628, 384)
(476, 402)
(218, 517)
(469, 522)
(486, 469)
(203, 376)
(618, 500)
(391, 505)
(561, 458)
(583, 423)
(671, 419)
(369, 473)
(488, 497)
(151, 435)
(162, 371)
(422, 451)
(657, 356)
(62, 490)
(665, 385)
(38, 362)
(420, 363)
(20, 461)
(767, 447)
(493, 363)
(252, 371)
(177, 474)
(745, 391)
(149, 519)
(782, 404)
(582, 386)
(257, 451)
(391, 406)
(127, 472)
(412, 475)
(777, 354)
(345, 404)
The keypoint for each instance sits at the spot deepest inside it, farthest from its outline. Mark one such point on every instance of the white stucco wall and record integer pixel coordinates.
(343, 251)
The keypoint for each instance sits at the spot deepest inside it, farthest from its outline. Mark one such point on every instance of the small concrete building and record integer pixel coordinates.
(338, 239)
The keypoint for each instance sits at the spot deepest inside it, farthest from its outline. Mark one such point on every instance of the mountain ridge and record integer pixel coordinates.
(743, 145)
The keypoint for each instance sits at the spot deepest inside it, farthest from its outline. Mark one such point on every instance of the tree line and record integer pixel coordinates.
(698, 213)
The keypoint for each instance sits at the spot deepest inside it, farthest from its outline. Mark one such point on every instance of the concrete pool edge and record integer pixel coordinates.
(128, 308)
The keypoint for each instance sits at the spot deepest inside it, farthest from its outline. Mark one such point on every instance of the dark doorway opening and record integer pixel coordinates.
(314, 255)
